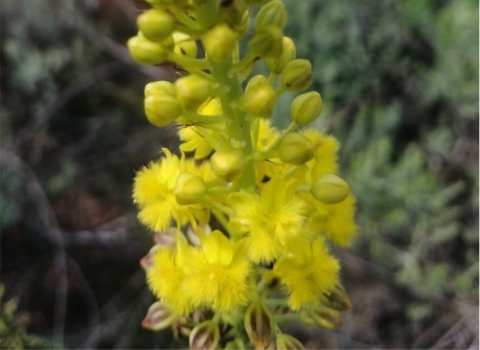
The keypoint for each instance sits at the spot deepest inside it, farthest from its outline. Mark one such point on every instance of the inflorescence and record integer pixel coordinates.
(243, 227)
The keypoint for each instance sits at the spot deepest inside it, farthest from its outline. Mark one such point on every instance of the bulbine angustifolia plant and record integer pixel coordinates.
(245, 215)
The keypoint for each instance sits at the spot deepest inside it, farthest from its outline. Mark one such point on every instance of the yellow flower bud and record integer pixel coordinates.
(321, 316)
(205, 335)
(306, 108)
(337, 299)
(287, 342)
(330, 189)
(156, 24)
(145, 51)
(259, 325)
(159, 316)
(259, 100)
(273, 14)
(189, 189)
(219, 43)
(266, 42)
(295, 149)
(192, 91)
(242, 27)
(184, 45)
(228, 164)
(297, 75)
(256, 81)
(277, 64)
(162, 110)
(159, 88)
(232, 12)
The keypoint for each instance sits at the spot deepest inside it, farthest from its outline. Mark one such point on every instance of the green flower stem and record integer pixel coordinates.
(217, 317)
(218, 186)
(265, 155)
(254, 289)
(238, 130)
(303, 188)
(217, 206)
(285, 317)
(221, 218)
(289, 129)
(213, 139)
(184, 19)
(280, 90)
(272, 78)
(245, 62)
(290, 171)
(200, 63)
(275, 302)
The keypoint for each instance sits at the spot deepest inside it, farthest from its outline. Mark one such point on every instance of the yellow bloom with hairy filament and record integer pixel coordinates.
(216, 276)
(334, 221)
(324, 161)
(272, 221)
(165, 278)
(193, 141)
(267, 134)
(153, 192)
(307, 272)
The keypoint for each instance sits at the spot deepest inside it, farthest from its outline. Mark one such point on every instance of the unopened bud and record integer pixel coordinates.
(219, 43)
(231, 12)
(242, 27)
(147, 261)
(184, 45)
(306, 108)
(228, 164)
(259, 325)
(337, 299)
(205, 335)
(156, 24)
(189, 189)
(159, 88)
(162, 110)
(259, 101)
(145, 51)
(159, 316)
(287, 342)
(295, 149)
(321, 316)
(277, 64)
(330, 189)
(256, 81)
(266, 42)
(273, 14)
(193, 90)
(297, 75)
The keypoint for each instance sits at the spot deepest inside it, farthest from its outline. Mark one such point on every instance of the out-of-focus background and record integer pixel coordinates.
(399, 81)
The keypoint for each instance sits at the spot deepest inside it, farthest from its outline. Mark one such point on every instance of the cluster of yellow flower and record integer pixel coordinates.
(275, 195)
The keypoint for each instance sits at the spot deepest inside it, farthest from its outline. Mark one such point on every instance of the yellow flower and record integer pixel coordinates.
(165, 278)
(324, 159)
(307, 272)
(272, 221)
(216, 276)
(153, 192)
(334, 221)
(192, 140)
(267, 135)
